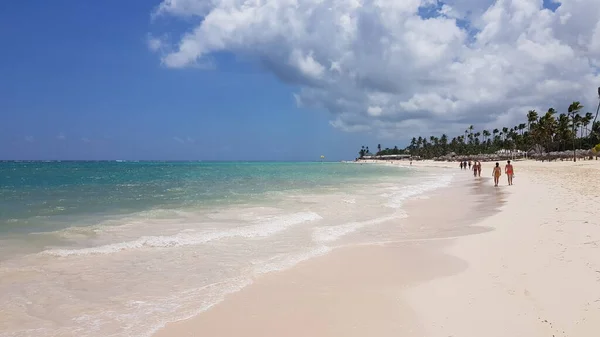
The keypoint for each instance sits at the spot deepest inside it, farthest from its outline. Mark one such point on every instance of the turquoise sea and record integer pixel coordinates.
(37, 192)
(121, 248)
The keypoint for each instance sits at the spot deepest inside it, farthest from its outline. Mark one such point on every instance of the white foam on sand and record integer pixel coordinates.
(265, 228)
(397, 197)
(333, 233)
(286, 261)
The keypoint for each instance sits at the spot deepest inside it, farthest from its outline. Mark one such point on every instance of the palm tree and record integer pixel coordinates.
(362, 151)
(486, 134)
(587, 119)
(504, 132)
(578, 120)
(532, 116)
(563, 131)
(573, 111)
(550, 131)
(444, 144)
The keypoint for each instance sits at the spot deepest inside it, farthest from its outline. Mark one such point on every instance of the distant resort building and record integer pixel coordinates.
(512, 153)
(389, 157)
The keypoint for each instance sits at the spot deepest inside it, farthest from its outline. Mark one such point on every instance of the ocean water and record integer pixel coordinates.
(121, 248)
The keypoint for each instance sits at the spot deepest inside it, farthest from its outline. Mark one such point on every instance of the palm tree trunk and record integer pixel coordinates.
(574, 152)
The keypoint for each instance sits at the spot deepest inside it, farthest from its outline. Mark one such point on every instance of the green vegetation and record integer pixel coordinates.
(545, 132)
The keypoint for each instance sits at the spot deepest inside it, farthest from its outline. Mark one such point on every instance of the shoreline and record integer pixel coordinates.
(318, 281)
(188, 261)
(533, 271)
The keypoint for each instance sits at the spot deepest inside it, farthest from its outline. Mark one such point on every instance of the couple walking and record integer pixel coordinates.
(508, 170)
(477, 169)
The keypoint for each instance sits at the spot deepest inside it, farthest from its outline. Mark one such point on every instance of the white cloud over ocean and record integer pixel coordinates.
(407, 66)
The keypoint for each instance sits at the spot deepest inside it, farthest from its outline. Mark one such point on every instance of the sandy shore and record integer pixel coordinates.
(470, 261)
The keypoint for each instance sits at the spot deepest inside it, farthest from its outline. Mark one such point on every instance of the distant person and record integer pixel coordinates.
(474, 169)
(496, 174)
(479, 169)
(469, 164)
(510, 172)
(461, 165)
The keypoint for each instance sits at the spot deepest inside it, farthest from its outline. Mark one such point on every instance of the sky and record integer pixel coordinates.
(281, 80)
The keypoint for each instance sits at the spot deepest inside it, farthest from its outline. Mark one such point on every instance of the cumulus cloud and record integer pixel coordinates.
(411, 66)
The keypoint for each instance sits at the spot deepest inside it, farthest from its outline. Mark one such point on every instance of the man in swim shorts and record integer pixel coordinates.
(496, 173)
(508, 169)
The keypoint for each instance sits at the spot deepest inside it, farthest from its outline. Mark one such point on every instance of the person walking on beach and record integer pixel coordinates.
(475, 169)
(496, 174)
(508, 169)
(461, 165)
(469, 164)
(479, 169)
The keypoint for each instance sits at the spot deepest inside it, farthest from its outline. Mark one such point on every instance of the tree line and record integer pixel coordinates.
(541, 132)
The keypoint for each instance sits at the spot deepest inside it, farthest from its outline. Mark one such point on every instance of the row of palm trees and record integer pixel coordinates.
(543, 132)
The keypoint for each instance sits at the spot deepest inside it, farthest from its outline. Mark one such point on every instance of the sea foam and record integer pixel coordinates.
(397, 197)
(265, 228)
(333, 233)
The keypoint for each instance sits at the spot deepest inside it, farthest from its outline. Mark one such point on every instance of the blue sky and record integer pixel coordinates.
(82, 70)
(79, 81)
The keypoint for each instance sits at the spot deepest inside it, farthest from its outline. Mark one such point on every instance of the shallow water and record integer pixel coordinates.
(100, 249)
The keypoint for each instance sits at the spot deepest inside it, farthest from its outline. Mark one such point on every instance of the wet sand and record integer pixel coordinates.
(357, 290)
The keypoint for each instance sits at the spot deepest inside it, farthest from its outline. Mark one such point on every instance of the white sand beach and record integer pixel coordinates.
(537, 273)
(522, 261)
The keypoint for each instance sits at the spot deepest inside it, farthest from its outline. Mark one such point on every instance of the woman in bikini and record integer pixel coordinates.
(496, 174)
(508, 169)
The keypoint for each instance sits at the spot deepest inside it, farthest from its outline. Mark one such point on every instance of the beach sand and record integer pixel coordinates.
(470, 261)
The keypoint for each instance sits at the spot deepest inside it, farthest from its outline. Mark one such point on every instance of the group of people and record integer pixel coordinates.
(475, 166)
(496, 173)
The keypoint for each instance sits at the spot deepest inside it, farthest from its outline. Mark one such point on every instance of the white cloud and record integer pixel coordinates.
(29, 139)
(154, 43)
(374, 111)
(376, 65)
(186, 140)
(61, 136)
